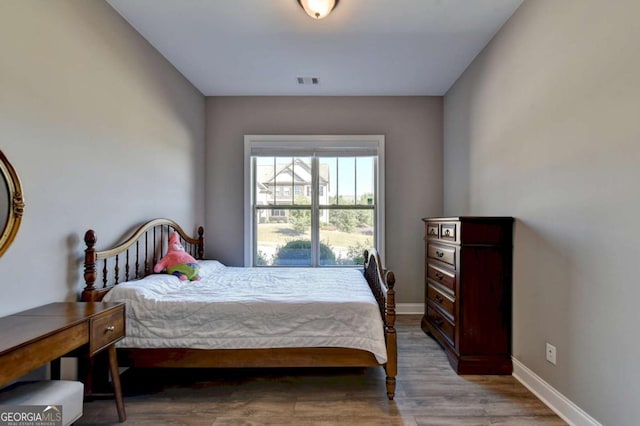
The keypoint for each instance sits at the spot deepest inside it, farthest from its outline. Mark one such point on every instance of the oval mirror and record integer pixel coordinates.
(11, 203)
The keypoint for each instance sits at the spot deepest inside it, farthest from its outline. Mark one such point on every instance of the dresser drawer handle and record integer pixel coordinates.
(438, 321)
(447, 233)
(439, 298)
(439, 276)
(110, 329)
(439, 253)
(432, 232)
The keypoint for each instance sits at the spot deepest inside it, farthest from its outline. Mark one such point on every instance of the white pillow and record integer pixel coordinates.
(210, 267)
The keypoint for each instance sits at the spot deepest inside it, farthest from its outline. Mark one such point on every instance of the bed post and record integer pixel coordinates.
(390, 335)
(89, 264)
(200, 242)
(382, 285)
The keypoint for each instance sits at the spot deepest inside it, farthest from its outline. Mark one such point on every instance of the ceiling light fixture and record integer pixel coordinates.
(318, 9)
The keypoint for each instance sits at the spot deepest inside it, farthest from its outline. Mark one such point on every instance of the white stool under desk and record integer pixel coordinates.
(68, 394)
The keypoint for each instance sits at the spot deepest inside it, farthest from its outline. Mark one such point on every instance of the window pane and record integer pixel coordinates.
(365, 181)
(302, 179)
(345, 234)
(283, 180)
(327, 177)
(346, 181)
(264, 189)
(283, 237)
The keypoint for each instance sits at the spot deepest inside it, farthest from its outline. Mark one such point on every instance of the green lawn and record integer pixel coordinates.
(280, 233)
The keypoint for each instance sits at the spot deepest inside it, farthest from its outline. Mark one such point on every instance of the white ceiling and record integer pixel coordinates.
(365, 47)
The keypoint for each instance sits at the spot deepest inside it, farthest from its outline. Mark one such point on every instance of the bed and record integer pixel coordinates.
(243, 317)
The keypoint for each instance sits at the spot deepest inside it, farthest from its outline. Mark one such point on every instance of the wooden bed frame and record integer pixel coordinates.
(135, 258)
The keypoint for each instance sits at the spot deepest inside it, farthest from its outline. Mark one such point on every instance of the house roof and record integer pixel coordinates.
(298, 172)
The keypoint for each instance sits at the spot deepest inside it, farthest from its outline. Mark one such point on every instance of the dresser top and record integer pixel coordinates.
(468, 219)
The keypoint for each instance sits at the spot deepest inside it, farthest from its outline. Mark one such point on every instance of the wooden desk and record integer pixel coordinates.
(32, 338)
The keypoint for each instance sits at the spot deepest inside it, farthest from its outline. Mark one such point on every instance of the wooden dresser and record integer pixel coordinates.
(468, 274)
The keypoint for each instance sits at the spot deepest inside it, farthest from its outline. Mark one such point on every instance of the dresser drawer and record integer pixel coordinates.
(449, 231)
(441, 299)
(440, 276)
(441, 324)
(442, 254)
(433, 230)
(106, 329)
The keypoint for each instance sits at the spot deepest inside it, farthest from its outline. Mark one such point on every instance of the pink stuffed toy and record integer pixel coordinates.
(178, 262)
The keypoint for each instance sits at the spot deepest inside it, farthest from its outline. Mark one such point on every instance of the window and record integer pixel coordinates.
(333, 220)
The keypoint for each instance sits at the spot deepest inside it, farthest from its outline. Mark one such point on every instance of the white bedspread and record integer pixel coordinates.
(240, 308)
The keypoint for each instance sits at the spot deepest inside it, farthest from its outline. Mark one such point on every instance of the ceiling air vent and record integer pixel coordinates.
(308, 81)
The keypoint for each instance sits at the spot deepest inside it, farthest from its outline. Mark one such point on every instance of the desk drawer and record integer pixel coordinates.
(106, 329)
(442, 254)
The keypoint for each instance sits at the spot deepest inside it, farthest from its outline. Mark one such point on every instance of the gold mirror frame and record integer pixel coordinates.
(15, 207)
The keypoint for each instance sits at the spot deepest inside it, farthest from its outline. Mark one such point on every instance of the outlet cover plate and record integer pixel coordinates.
(551, 353)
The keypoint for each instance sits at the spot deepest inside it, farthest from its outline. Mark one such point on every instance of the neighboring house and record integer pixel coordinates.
(289, 184)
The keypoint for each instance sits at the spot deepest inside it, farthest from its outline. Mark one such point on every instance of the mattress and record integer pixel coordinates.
(249, 308)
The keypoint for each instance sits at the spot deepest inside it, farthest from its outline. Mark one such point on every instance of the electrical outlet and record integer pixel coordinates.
(551, 353)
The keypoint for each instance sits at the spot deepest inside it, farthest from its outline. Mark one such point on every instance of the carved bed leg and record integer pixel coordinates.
(392, 362)
(391, 387)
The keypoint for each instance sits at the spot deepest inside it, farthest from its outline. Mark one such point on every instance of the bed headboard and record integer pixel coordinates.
(134, 258)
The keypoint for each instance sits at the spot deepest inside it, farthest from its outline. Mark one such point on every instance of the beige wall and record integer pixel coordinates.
(103, 132)
(544, 126)
(413, 145)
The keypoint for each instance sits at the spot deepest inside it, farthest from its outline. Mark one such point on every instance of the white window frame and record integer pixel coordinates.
(342, 143)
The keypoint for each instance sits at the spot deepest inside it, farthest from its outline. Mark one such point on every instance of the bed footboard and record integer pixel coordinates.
(382, 286)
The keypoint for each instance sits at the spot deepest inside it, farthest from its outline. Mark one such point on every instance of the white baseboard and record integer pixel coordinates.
(560, 404)
(409, 308)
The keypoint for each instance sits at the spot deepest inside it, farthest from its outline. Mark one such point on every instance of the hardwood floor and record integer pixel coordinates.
(428, 393)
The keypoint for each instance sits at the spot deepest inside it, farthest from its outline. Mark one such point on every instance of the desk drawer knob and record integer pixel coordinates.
(110, 329)
(439, 253)
(438, 322)
(447, 233)
(439, 276)
(439, 298)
